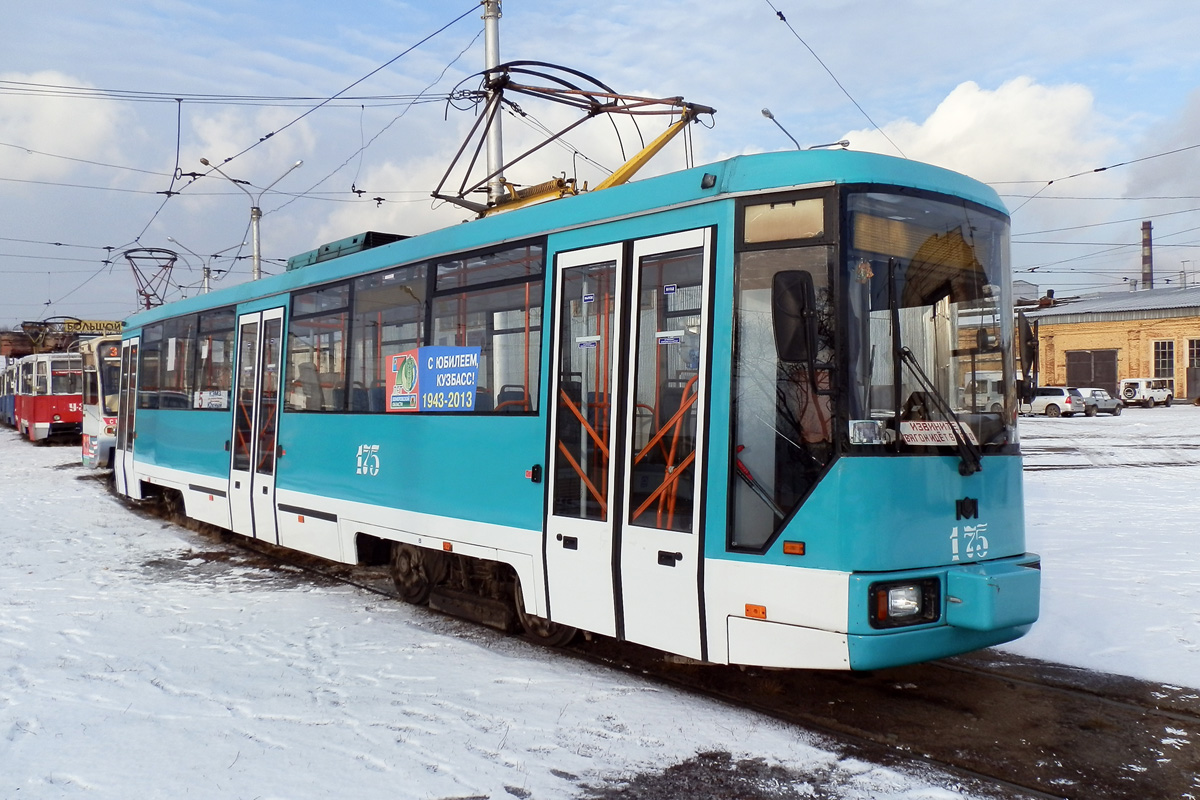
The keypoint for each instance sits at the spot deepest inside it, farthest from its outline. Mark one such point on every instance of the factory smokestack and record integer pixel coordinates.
(1147, 256)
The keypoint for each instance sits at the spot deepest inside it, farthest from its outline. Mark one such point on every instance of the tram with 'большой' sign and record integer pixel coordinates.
(725, 412)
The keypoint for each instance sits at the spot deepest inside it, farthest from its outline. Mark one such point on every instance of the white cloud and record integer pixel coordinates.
(1021, 131)
(224, 134)
(60, 126)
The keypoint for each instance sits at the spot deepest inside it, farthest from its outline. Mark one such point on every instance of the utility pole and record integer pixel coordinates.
(491, 56)
(255, 211)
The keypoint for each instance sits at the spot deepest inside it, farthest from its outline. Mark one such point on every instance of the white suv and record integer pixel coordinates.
(1146, 391)
(1055, 401)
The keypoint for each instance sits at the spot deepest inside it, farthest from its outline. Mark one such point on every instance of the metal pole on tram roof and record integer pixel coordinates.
(491, 56)
(255, 211)
(766, 112)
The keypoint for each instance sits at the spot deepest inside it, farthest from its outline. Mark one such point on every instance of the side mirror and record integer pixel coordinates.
(793, 315)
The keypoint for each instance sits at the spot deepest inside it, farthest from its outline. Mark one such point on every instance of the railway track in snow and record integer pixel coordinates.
(1004, 725)
(1007, 726)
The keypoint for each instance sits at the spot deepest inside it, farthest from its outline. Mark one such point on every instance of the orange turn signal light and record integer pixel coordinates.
(449, 548)
(793, 548)
(756, 612)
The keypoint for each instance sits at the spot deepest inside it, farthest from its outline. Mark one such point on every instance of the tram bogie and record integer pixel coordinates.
(718, 413)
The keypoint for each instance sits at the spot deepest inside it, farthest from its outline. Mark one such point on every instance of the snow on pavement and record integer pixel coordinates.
(137, 662)
(1113, 508)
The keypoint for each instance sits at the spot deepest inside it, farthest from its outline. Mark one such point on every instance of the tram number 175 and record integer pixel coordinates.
(970, 544)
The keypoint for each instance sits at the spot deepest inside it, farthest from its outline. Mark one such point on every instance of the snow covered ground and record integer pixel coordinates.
(138, 659)
(1113, 506)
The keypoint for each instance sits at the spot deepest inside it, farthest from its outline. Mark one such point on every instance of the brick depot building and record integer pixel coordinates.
(1099, 341)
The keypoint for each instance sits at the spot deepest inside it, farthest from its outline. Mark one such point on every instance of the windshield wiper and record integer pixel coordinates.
(972, 457)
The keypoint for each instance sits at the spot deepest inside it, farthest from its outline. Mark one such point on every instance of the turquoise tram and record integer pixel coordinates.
(729, 413)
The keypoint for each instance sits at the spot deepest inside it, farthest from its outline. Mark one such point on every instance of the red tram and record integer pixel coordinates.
(49, 396)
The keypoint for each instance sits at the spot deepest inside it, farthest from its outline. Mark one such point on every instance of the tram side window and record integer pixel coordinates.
(781, 417)
(316, 369)
(149, 366)
(214, 360)
(388, 318)
(91, 387)
(177, 353)
(499, 310)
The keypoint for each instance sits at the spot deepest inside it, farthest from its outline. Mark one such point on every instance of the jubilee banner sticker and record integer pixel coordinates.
(448, 378)
(434, 379)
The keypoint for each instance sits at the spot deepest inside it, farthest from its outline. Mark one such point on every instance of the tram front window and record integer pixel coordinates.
(65, 377)
(929, 345)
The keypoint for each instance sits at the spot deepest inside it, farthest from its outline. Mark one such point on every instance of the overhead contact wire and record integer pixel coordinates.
(846, 92)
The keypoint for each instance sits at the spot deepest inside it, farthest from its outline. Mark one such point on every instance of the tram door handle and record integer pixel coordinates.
(569, 542)
(666, 559)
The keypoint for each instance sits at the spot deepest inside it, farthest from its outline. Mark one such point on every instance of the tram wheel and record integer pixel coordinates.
(540, 629)
(415, 571)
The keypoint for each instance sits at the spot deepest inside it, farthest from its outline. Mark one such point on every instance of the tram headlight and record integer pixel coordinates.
(903, 601)
(898, 603)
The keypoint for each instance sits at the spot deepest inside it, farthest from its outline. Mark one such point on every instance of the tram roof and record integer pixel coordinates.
(740, 175)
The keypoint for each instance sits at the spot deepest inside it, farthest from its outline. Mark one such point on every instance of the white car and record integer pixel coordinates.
(1146, 392)
(1055, 401)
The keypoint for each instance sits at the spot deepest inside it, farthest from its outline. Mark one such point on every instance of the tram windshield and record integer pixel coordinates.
(66, 377)
(929, 349)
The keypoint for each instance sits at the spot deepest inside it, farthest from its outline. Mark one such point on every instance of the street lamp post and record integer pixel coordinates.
(255, 211)
(204, 262)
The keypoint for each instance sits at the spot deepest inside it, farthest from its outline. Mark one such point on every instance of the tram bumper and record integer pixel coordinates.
(986, 597)
(984, 604)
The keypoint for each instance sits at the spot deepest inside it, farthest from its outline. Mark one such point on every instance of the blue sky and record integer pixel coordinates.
(1016, 94)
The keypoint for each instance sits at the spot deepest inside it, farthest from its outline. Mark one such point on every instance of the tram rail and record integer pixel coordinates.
(1006, 726)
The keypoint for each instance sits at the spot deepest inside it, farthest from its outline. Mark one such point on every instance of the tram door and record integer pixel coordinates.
(623, 542)
(255, 419)
(580, 534)
(126, 416)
